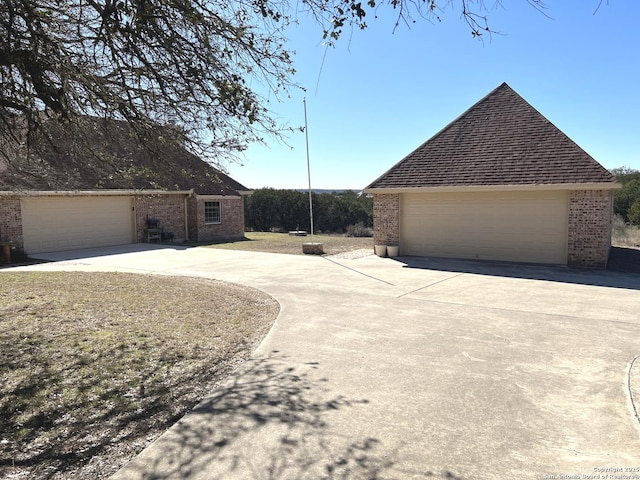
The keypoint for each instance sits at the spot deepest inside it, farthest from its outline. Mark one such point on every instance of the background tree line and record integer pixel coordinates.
(626, 201)
(269, 209)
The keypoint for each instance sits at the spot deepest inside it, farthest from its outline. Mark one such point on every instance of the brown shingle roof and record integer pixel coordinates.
(501, 140)
(97, 154)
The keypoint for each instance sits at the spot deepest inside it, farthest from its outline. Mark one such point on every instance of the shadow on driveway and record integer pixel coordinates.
(553, 273)
(271, 421)
(623, 259)
(80, 254)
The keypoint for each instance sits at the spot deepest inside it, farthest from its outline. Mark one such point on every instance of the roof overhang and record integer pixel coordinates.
(87, 193)
(216, 196)
(497, 188)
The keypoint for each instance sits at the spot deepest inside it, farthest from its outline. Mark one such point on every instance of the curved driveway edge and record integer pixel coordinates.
(409, 368)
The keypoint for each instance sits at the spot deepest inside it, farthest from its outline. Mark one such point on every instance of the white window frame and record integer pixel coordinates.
(212, 222)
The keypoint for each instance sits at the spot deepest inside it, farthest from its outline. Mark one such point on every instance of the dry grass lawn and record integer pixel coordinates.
(285, 243)
(95, 366)
(625, 235)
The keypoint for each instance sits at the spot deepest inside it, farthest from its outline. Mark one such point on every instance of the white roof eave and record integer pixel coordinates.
(496, 188)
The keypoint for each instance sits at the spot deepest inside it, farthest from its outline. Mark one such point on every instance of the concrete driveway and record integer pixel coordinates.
(409, 368)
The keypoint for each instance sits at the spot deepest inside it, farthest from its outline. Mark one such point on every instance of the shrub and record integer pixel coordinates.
(359, 230)
(634, 213)
(629, 194)
(618, 226)
(624, 234)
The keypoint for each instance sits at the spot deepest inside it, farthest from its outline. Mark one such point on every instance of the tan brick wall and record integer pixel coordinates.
(168, 209)
(386, 219)
(232, 219)
(11, 221)
(589, 234)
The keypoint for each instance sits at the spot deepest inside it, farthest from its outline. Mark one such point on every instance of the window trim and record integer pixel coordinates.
(219, 221)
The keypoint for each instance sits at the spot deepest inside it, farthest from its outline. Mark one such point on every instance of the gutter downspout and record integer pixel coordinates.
(135, 219)
(186, 215)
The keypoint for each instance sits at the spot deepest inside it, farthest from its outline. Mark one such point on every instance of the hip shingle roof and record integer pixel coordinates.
(501, 140)
(98, 154)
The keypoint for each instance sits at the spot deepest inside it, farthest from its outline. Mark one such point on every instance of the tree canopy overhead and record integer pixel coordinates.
(195, 63)
(147, 62)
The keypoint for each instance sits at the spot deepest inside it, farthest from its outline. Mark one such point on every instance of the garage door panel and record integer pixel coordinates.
(510, 226)
(62, 223)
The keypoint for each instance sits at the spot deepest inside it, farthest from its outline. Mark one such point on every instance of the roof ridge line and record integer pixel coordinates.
(441, 131)
(500, 139)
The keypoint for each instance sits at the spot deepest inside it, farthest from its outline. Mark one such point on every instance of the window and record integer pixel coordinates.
(212, 212)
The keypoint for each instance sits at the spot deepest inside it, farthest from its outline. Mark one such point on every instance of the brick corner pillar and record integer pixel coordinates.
(386, 219)
(589, 233)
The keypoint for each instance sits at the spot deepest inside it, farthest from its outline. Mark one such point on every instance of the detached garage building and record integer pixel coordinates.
(500, 182)
(93, 185)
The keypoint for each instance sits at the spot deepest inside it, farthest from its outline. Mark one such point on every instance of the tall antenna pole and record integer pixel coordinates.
(306, 134)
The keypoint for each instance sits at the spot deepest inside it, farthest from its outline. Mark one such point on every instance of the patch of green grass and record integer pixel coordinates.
(93, 366)
(291, 244)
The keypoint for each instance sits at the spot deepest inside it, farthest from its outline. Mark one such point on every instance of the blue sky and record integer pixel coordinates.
(380, 94)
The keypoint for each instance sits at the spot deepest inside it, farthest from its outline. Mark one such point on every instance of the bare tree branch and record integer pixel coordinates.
(188, 62)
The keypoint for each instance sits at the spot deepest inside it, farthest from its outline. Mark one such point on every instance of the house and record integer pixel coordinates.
(500, 182)
(93, 185)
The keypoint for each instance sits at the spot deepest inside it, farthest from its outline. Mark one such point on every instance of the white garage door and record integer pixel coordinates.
(52, 224)
(509, 226)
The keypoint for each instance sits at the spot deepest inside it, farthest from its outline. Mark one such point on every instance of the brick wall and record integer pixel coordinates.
(11, 221)
(230, 226)
(589, 235)
(386, 219)
(168, 209)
